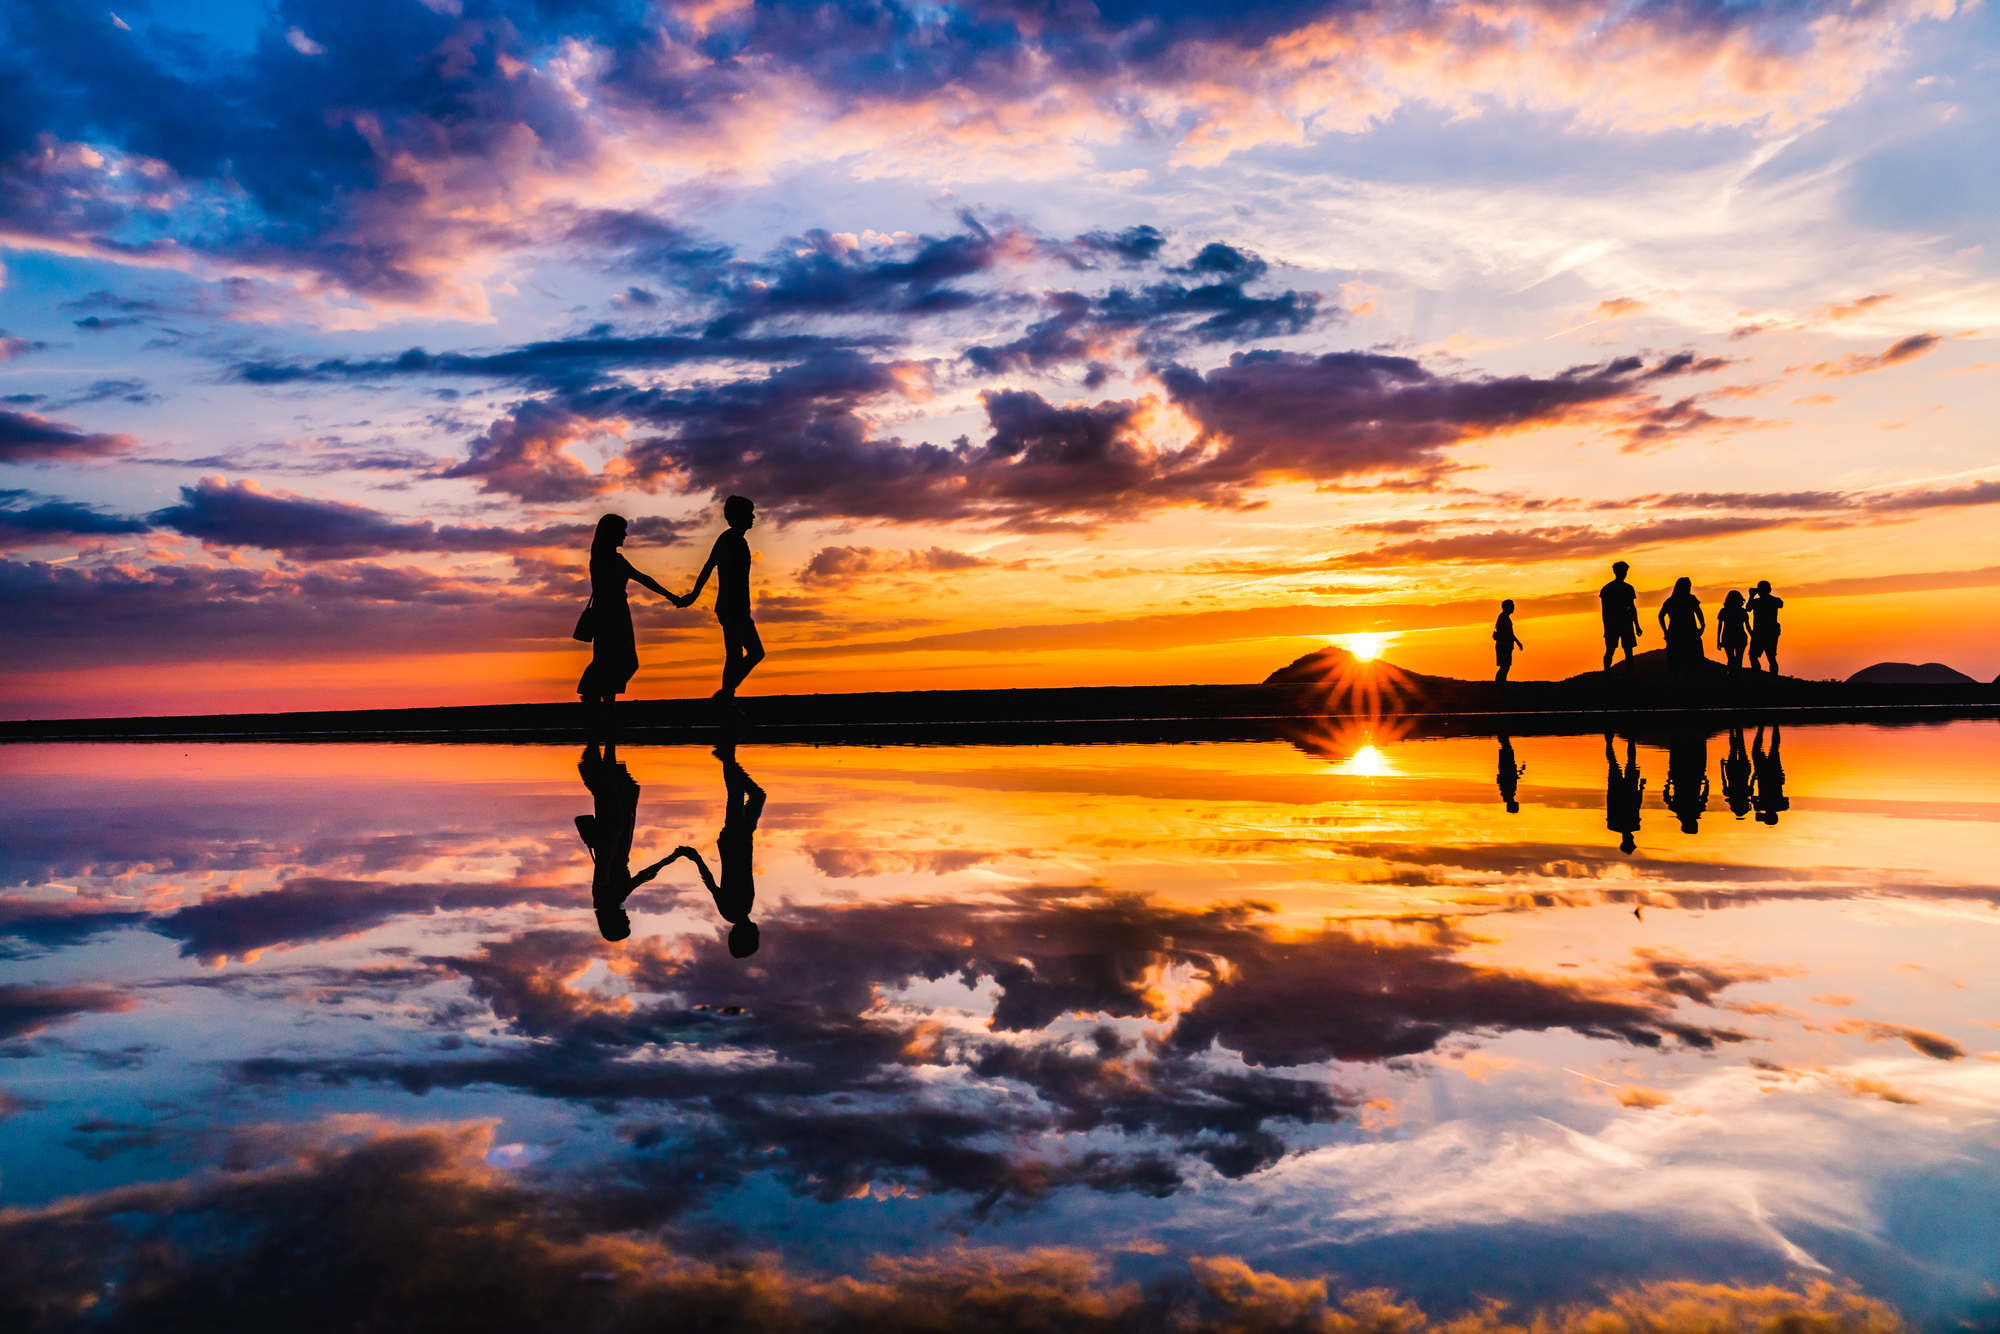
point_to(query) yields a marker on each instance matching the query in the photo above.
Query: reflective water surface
(1221, 1033)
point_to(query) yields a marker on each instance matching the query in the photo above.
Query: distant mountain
(1910, 674)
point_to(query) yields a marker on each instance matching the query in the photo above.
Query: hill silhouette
(1307, 696)
(1911, 674)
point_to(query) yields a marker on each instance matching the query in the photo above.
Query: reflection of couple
(615, 648)
(608, 835)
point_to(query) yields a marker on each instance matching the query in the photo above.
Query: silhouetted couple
(1686, 792)
(1681, 621)
(615, 648)
(608, 834)
(1750, 623)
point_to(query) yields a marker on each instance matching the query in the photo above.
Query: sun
(1366, 647)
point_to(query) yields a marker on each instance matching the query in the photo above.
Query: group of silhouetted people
(1740, 624)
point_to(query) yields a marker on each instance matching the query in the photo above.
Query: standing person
(1504, 642)
(1682, 622)
(1770, 798)
(1509, 776)
(1732, 629)
(729, 561)
(1686, 792)
(736, 895)
(1736, 775)
(614, 649)
(1624, 794)
(1764, 627)
(607, 833)
(1621, 616)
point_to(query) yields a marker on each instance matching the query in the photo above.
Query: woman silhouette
(1683, 622)
(1732, 628)
(614, 654)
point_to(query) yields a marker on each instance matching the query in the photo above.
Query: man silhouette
(1769, 766)
(736, 895)
(729, 561)
(1621, 616)
(1764, 627)
(1509, 776)
(1624, 793)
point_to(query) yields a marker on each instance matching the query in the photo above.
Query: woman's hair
(609, 529)
(1735, 598)
(1683, 587)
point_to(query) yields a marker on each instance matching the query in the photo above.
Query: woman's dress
(1684, 630)
(1735, 632)
(614, 649)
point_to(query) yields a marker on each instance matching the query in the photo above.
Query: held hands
(680, 601)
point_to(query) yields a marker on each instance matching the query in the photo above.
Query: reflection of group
(607, 833)
(1753, 778)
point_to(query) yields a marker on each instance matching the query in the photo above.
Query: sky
(1056, 344)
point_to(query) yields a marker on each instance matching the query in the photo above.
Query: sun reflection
(1367, 762)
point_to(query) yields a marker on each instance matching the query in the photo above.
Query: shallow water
(1329, 1009)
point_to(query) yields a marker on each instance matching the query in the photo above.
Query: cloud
(242, 513)
(26, 525)
(380, 1217)
(11, 348)
(25, 437)
(1556, 542)
(26, 1010)
(1275, 1000)
(840, 565)
(314, 908)
(65, 615)
(1158, 319)
(1858, 363)
(393, 158)
(1934, 1045)
(526, 455)
(1294, 415)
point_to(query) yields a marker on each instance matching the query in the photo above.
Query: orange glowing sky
(1062, 357)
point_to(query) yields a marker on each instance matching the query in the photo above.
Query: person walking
(1764, 627)
(729, 561)
(1621, 615)
(1504, 642)
(614, 649)
(1682, 622)
(1732, 629)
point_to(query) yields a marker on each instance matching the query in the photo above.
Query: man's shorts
(1764, 644)
(1629, 636)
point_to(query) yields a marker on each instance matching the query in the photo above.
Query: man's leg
(742, 650)
(1610, 647)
